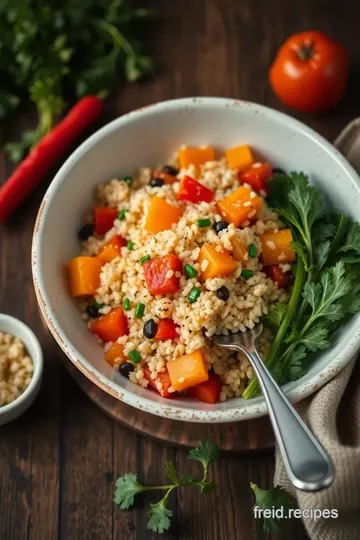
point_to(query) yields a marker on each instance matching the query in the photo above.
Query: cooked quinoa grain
(16, 368)
(197, 315)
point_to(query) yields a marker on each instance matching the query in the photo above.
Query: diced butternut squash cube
(188, 370)
(84, 275)
(115, 355)
(112, 248)
(240, 206)
(240, 249)
(111, 326)
(161, 215)
(218, 263)
(276, 247)
(239, 157)
(191, 155)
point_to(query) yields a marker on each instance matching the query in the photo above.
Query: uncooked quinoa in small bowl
(180, 252)
(16, 368)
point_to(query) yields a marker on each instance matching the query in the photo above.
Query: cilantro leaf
(171, 471)
(159, 517)
(271, 499)
(127, 487)
(208, 487)
(205, 453)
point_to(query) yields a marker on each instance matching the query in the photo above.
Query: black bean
(223, 293)
(169, 169)
(278, 171)
(220, 226)
(126, 368)
(156, 182)
(85, 231)
(150, 329)
(92, 311)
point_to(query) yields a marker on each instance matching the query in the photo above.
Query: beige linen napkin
(333, 414)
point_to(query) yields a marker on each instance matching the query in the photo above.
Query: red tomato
(111, 326)
(104, 219)
(208, 391)
(163, 377)
(116, 241)
(166, 330)
(275, 273)
(191, 190)
(257, 176)
(155, 274)
(310, 72)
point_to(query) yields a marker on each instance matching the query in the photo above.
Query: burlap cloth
(333, 414)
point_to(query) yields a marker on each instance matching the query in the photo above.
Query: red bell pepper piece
(163, 377)
(208, 391)
(111, 326)
(257, 177)
(155, 274)
(191, 190)
(116, 241)
(166, 330)
(104, 219)
(275, 273)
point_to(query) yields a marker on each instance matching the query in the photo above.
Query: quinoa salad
(175, 254)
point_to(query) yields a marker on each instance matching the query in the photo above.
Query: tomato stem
(306, 51)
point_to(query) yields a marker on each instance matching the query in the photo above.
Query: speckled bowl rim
(306, 386)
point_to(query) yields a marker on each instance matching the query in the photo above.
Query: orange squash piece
(116, 351)
(239, 248)
(239, 157)
(111, 326)
(239, 206)
(161, 215)
(276, 247)
(188, 370)
(84, 275)
(219, 263)
(112, 248)
(192, 155)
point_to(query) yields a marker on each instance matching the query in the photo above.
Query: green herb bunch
(127, 486)
(55, 52)
(326, 289)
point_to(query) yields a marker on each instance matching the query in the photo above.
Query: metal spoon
(308, 466)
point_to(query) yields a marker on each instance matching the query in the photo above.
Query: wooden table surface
(59, 461)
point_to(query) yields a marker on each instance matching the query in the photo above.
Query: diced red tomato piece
(104, 219)
(257, 176)
(116, 241)
(155, 274)
(191, 190)
(208, 391)
(166, 330)
(163, 377)
(111, 326)
(275, 273)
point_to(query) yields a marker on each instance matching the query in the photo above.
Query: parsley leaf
(127, 487)
(205, 453)
(276, 314)
(159, 517)
(171, 471)
(270, 499)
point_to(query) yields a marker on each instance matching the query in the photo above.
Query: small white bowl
(17, 328)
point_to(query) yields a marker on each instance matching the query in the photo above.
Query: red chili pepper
(104, 219)
(155, 274)
(208, 391)
(34, 167)
(275, 273)
(166, 330)
(191, 190)
(257, 177)
(163, 377)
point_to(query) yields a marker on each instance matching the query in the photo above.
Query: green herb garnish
(252, 251)
(190, 271)
(127, 487)
(135, 356)
(270, 500)
(145, 259)
(128, 180)
(139, 311)
(122, 214)
(246, 274)
(130, 245)
(126, 304)
(194, 294)
(205, 222)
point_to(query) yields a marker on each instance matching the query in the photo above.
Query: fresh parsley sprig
(127, 486)
(271, 499)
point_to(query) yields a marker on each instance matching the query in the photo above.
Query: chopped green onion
(128, 180)
(134, 356)
(247, 274)
(194, 294)
(252, 250)
(130, 245)
(145, 259)
(206, 222)
(121, 214)
(190, 271)
(139, 311)
(126, 304)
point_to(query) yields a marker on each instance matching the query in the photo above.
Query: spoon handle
(308, 466)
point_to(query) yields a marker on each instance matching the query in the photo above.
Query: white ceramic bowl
(148, 136)
(17, 328)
